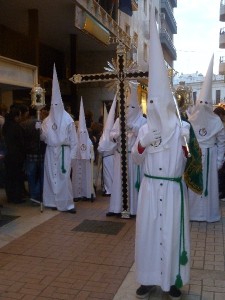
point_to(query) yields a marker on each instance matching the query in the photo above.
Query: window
(194, 97)
(217, 96)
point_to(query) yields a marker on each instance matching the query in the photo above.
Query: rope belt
(183, 259)
(207, 174)
(63, 163)
(119, 151)
(138, 182)
(107, 155)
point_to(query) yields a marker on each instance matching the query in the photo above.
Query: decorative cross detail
(120, 73)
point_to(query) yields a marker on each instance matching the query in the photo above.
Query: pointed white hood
(105, 145)
(105, 115)
(133, 108)
(84, 142)
(58, 119)
(161, 110)
(204, 121)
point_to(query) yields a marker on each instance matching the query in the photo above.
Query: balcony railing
(222, 10)
(167, 41)
(104, 19)
(222, 65)
(222, 38)
(173, 3)
(167, 9)
(134, 5)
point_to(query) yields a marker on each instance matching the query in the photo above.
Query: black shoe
(106, 195)
(133, 216)
(110, 214)
(174, 293)
(72, 211)
(144, 291)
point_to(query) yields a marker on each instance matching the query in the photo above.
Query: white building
(195, 81)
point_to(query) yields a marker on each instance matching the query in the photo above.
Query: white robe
(134, 171)
(207, 208)
(158, 215)
(82, 175)
(57, 190)
(107, 171)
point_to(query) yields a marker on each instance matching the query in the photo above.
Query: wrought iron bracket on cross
(121, 73)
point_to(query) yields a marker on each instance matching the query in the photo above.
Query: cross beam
(120, 73)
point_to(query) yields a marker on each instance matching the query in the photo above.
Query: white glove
(113, 136)
(135, 130)
(38, 125)
(150, 137)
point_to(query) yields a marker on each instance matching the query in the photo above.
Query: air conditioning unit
(90, 26)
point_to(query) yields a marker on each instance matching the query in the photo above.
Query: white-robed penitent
(58, 132)
(162, 224)
(209, 131)
(135, 120)
(82, 165)
(106, 150)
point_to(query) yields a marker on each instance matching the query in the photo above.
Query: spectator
(35, 150)
(3, 111)
(15, 155)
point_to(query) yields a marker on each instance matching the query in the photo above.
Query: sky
(197, 37)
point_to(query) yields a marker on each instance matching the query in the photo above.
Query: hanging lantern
(38, 97)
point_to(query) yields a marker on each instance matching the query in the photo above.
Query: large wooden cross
(121, 73)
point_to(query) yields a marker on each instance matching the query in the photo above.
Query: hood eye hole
(206, 102)
(151, 101)
(200, 101)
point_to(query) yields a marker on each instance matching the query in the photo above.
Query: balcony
(222, 11)
(173, 3)
(222, 65)
(102, 19)
(222, 38)
(169, 17)
(167, 42)
(134, 4)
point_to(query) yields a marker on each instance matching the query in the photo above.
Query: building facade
(80, 37)
(194, 83)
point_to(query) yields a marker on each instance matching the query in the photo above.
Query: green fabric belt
(183, 259)
(207, 174)
(138, 181)
(63, 163)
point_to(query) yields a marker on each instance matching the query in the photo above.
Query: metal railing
(100, 15)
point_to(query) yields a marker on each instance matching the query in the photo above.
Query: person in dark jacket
(34, 162)
(15, 155)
